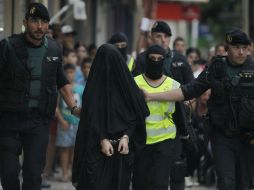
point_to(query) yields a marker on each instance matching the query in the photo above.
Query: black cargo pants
(28, 132)
(178, 167)
(152, 166)
(234, 161)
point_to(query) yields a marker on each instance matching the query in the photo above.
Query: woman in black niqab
(113, 108)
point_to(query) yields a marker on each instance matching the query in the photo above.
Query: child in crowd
(70, 57)
(81, 51)
(85, 68)
(92, 49)
(68, 124)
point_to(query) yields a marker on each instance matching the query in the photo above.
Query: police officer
(175, 64)
(231, 110)
(120, 40)
(176, 67)
(30, 73)
(152, 166)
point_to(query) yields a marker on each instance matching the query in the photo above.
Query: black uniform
(23, 126)
(176, 67)
(230, 108)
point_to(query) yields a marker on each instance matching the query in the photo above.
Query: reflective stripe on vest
(130, 63)
(155, 118)
(156, 132)
(159, 124)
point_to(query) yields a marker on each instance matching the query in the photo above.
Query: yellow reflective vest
(130, 63)
(159, 124)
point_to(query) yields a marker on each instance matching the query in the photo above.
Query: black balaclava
(117, 38)
(154, 69)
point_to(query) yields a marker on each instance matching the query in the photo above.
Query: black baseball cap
(37, 10)
(237, 36)
(161, 26)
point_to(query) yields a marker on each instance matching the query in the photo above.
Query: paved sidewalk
(68, 186)
(55, 185)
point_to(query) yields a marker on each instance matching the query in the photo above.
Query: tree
(220, 16)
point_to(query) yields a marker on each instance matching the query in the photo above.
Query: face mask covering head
(117, 38)
(154, 69)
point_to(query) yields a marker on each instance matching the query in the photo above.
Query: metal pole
(251, 19)
(63, 10)
(94, 19)
(194, 32)
(245, 15)
(12, 16)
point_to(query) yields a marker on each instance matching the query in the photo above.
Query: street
(68, 186)
(55, 185)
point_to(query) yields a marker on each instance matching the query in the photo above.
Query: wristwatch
(73, 109)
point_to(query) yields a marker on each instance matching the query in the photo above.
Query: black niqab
(112, 105)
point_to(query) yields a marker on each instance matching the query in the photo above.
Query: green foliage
(221, 15)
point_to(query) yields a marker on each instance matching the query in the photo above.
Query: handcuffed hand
(106, 147)
(123, 147)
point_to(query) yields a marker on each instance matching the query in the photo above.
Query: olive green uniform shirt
(36, 56)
